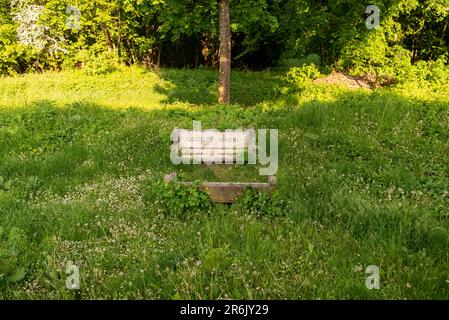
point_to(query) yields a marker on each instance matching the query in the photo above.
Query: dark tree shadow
(324, 147)
(201, 86)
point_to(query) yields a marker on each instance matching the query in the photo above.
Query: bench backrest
(210, 146)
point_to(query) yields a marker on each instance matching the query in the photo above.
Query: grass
(363, 180)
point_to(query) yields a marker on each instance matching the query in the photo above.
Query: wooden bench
(215, 147)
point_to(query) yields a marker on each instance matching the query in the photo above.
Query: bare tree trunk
(224, 88)
(414, 51)
(159, 53)
(109, 43)
(119, 40)
(134, 59)
(197, 56)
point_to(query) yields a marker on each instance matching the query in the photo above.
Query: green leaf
(19, 275)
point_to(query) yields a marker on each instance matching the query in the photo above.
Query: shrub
(93, 61)
(384, 64)
(179, 199)
(374, 58)
(430, 72)
(259, 203)
(16, 59)
(304, 74)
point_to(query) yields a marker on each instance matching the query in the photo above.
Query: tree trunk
(159, 53)
(119, 40)
(224, 88)
(197, 56)
(132, 52)
(110, 45)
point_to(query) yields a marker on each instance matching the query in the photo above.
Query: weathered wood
(170, 177)
(272, 180)
(227, 192)
(224, 86)
(205, 138)
(210, 146)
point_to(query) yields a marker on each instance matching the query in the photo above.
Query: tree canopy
(185, 33)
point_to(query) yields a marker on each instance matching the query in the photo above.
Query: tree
(224, 87)
(34, 34)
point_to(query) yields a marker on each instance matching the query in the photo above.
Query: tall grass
(363, 179)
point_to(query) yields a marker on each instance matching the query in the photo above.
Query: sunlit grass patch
(362, 180)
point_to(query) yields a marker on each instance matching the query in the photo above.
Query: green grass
(363, 180)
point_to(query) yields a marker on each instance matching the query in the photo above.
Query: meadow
(363, 180)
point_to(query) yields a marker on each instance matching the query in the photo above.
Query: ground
(362, 180)
(342, 79)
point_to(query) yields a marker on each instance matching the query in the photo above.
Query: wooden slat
(204, 139)
(227, 192)
(211, 147)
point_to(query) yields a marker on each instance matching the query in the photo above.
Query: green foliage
(435, 72)
(181, 33)
(304, 74)
(94, 61)
(179, 200)
(258, 203)
(21, 188)
(362, 180)
(409, 31)
(13, 247)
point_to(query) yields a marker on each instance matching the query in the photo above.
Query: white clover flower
(358, 268)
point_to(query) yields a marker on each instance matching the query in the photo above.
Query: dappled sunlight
(224, 150)
(129, 87)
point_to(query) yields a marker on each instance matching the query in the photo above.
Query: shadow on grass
(201, 86)
(356, 161)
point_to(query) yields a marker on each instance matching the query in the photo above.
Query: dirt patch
(343, 80)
